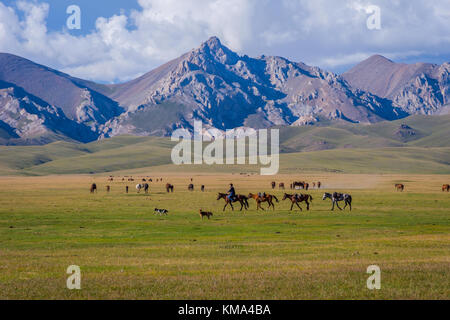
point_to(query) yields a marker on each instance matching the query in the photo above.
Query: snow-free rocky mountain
(215, 85)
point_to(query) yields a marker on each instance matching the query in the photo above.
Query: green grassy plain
(125, 252)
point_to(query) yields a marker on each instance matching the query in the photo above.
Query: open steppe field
(126, 252)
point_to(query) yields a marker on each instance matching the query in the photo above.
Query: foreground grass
(124, 251)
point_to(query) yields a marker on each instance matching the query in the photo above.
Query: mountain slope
(420, 88)
(75, 97)
(26, 119)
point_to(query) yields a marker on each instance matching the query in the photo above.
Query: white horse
(140, 186)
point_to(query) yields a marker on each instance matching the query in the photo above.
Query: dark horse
(93, 188)
(297, 198)
(337, 197)
(169, 187)
(263, 198)
(243, 200)
(191, 187)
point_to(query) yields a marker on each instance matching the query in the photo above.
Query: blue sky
(120, 40)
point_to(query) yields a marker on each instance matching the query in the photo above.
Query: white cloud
(327, 33)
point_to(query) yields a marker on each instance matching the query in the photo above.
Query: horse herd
(261, 197)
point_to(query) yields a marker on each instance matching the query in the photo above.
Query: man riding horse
(231, 193)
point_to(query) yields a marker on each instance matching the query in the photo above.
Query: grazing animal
(191, 187)
(203, 188)
(205, 214)
(139, 187)
(337, 197)
(243, 200)
(274, 184)
(297, 198)
(146, 186)
(400, 187)
(161, 211)
(313, 185)
(263, 198)
(446, 187)
(108, 188)
(110, 179)
(93, 188)
(319, 184)
(126, 189)
(281, 186)
(298, 185)
(143, 180)
(169, 187)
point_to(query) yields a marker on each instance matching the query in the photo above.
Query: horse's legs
(231, 204)
(337, 203)
(226, 203)
(332, 207)
(299, 206)
(292, 205)
(307, 204)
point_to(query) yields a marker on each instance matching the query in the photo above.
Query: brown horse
(400, 187)
(273, 184)
(203, 188)
(243, 200)
(191, 187)
(108, 188)
(281, 185)
(319, 184)
(93, 188)
(297, 198)
(265, 198)
(169, 188)
(446, 187)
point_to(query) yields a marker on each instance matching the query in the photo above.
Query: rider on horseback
(231, 193)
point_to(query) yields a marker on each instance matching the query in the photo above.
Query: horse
(169, 187)
(93, 188)
(281, 185)
(146, 186)
(126, 189)
(264, 198)
(337, 197)
(296, 198)
(446, 187)
(139, 187)
(273, 184)
(191, 187)
(400, 187)
(108, 188)
(243, 200)
(319, 184)
(203, 188)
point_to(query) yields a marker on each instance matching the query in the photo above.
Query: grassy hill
(417, 144)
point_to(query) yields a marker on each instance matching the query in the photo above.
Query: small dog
(204, 213)
(161, 211)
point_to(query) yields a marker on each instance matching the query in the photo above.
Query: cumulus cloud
(327, 33)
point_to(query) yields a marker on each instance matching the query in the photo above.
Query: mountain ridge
(222, 89)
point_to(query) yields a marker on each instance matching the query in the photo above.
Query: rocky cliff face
(420, 88)
(217, 86)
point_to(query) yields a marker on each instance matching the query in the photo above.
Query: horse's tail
(275, 198)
